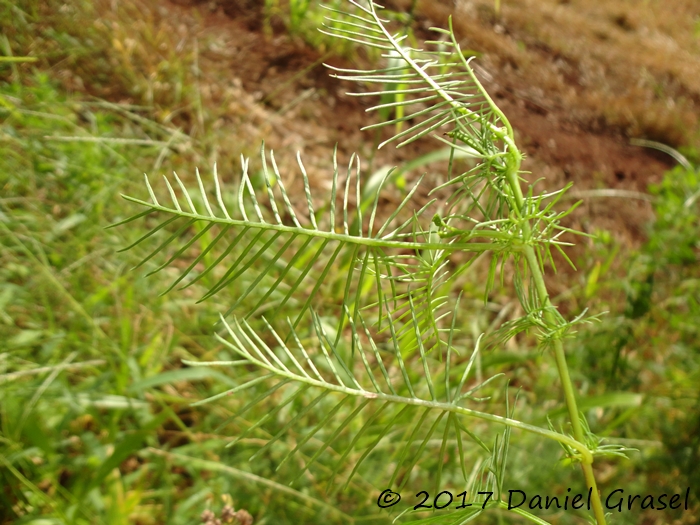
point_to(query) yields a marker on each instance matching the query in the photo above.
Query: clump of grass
(131, 53)
(646, 346)
(90, 366)
(94, 360)
(302, 18)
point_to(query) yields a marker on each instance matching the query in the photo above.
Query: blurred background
(95, 418)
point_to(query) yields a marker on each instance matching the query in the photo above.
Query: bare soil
(312, 113)
(577, 79)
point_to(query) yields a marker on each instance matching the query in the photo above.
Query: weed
(85, 352)
(385, 363)
(648, 347)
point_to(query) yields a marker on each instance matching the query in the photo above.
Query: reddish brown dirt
(313, 114)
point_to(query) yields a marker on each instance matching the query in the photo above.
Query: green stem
(373, 242)
(559, 354)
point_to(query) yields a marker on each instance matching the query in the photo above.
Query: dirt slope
(577, 78)
(563, 142)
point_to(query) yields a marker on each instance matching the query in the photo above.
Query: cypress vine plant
(392, 367)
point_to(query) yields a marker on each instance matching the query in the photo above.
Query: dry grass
(634, 66)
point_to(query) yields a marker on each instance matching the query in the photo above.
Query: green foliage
(45, 264)
(302, 19)
(676, 231)
(387, 360)
(648, 347)
(82, 401)
(95, 417)
(674, 313)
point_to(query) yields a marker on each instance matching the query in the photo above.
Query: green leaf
(181, 374)
(607, 400)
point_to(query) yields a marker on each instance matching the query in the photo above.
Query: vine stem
(559, 354)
